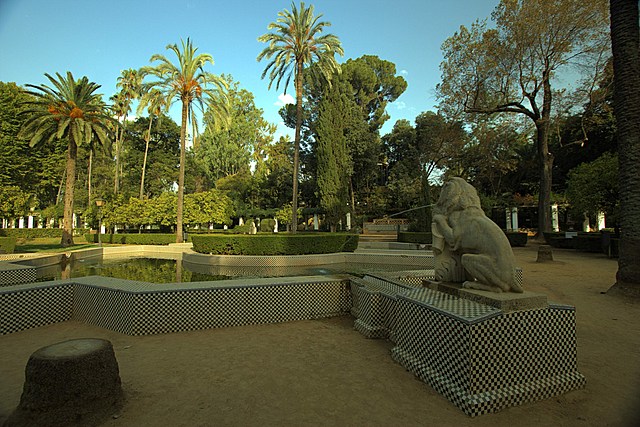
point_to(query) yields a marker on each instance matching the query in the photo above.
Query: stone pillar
(316, 224)
(103, 229)
(514, 219)
(555, 224)
(21, 222)
(348, 221)
(275, 227)
(601, 221)
(507, 213)
(4, 223)
(30, 221)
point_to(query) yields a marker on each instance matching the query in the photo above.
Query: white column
(4, 223)
(30, 221)
(316, 225)
(507, 214)
(514, 219)
(241, 221)
(555, 224)
(103, 230)
(275, 227)
(601, 220)
(210, 226)
(348, 221)
(21, 222)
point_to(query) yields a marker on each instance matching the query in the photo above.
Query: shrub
(241, 229)
(133, 239)
(7, 245)
(267, 224)
(275, 244)
(415, 237)
(516, 238)
(31, 233)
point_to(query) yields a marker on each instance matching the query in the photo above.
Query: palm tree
(70, 109)
(297, 42)
(154, 101)
(625, 41)
(188, 82)
(129, 83)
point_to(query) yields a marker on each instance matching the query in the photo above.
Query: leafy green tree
(154, 101)
(208, 207)
(70, 109)
(36, 171)
(296, 42)
(625, 40)
(229, 150)
(162, 153)
(511, 68)
(416, 154)
(593, 187)
(332, 156)
(14, 202)
(187, 81)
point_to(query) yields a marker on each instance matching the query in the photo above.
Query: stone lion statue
(468, 246)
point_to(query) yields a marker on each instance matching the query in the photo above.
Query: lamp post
(99, 204)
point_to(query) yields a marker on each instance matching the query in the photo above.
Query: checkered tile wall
(478, 357)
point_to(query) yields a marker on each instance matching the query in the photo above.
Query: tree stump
(72, 383)
(545, 253)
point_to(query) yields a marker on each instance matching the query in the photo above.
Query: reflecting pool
(157, 270)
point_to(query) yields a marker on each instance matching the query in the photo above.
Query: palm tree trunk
(296, 147)
(625, 43)
(183, 137)
(67, 227)
(144, 161)
(89, 176)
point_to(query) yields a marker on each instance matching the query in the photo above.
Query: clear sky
(99, 38)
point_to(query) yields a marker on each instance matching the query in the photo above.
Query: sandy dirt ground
(323, 372)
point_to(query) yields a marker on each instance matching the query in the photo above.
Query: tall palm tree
(129, 83)
(188, 82)
(297, 42)
(68, 109)
(625, 44)
(154, 101)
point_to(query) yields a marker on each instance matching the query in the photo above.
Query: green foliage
(334, 163)
(32, 233)
(208, 207)
(14, 202)
(227, 150)
(267, 225)
(133, 239)
(593, 187)
(414, 237)
(275, 244)
(7, 245)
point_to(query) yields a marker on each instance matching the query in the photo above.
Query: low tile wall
(138, 308)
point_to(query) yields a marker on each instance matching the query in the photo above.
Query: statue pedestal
(482, 358)
(507, 302)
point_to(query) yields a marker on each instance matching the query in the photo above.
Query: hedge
(133, 239)
(275, 244)
(422, 237)
(31, 233)
(7, 245)
(516, 239)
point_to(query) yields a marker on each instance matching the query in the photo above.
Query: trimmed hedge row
(515, 238)
(31, 233)
(275, 244)
(133, 239)
(7, 245)
(422, 237)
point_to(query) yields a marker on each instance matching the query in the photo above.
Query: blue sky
(99, 38)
